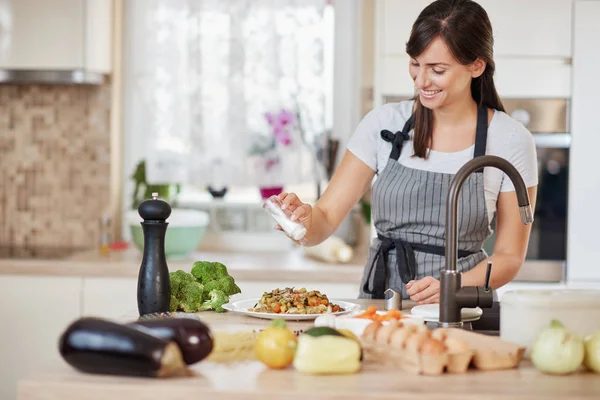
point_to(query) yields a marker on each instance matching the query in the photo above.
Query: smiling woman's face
(439, 79)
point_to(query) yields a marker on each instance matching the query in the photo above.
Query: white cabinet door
(109, 297)
(35, 311)
(42, 34)
(56, 34)
(531, 28)
(530, 52)
(98, 35)
(394, 20)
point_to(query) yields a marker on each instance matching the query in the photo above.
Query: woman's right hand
(300, 211)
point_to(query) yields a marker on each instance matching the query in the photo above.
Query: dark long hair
(465, 27)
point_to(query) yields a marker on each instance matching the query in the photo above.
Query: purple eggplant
(193, 337)
(99, 346)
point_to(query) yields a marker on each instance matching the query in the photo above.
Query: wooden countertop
(252, 380)
(275, 266)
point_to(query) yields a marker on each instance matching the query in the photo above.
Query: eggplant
(99, 346)
(193, 337)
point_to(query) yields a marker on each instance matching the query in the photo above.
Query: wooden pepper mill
(154, 286)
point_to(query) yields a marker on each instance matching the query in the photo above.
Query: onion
(557, 351)
(592, 352)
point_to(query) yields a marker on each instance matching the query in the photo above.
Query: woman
(415, 147)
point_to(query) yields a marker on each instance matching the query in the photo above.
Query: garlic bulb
(327, 319)
(557, 351)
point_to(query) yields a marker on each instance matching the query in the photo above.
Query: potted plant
(143, 191)
(186, 227)
(269, 148)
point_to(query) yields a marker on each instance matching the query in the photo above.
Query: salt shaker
(294, 229)
(394, 302)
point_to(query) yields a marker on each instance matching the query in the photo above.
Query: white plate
(431, 313)
(242, 307)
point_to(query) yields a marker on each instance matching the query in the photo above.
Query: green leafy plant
(143, 190)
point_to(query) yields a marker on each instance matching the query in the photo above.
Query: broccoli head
(191, 296)
(179, 279)
(220, 269)
(215, 302)
(174, 303)
(186, 292)
(226, 284)
(204, 271)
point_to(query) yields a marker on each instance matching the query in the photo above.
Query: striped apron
(409, 214)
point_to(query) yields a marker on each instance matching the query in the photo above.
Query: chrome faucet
(454, 296)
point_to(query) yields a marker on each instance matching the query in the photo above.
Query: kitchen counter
(252, 380)
(265, 266)
(279, 266)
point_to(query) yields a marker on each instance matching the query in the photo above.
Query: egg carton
(418, 350)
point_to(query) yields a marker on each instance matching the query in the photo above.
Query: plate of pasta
(291, 304)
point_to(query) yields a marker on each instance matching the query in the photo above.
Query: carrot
(368, 313)
(277, 308)
(390, 315)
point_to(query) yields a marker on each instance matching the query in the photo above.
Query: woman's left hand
(424, 291)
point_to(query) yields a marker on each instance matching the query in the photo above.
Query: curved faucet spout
(453, 296)
(454, 191)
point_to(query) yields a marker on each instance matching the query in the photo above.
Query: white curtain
(231, 92)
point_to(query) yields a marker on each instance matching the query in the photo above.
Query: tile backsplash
(54, 164)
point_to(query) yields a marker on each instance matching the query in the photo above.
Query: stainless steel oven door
(547, 250)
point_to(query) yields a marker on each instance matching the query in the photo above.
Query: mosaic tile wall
(54, 164)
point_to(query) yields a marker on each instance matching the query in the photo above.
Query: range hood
(55, 77)
(55, 42)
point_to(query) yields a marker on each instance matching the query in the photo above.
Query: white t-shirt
(507, 138)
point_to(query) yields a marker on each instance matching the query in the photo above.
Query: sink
(488, 324)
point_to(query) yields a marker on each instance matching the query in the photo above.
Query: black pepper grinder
(154, 286)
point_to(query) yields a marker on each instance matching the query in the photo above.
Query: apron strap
(481, 133)
(379, 270)
(397, 139)
(406, 263)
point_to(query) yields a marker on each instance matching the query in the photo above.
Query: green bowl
(179, 240)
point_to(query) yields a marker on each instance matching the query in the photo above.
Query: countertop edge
(284, 266)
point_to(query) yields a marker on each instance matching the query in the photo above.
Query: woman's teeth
(429, 94)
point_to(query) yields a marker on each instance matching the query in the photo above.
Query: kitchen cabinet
(532, 54)
(108, 297)
(35, 311)
(56, 35)
(529, 29)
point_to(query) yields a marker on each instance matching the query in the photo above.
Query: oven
(548, 121)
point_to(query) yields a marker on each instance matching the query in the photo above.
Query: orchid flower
(279, 124)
